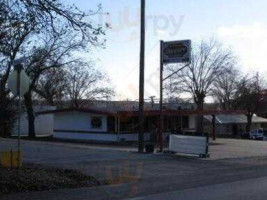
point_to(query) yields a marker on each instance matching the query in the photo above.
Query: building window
(96, 122)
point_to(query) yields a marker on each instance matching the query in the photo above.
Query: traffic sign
(13, 82)
(176, 51)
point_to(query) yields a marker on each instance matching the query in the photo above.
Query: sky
(237, 24)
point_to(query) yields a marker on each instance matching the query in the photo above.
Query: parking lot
(218, 150)
(230, 148)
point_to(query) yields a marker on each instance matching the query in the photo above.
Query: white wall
(87, 136)
(43, 125)
(105, 137)
(69, 124)
(77, 121)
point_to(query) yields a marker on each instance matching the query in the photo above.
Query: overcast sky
(239, 24)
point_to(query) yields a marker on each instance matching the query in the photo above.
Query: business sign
(176, 51)
(195, 145)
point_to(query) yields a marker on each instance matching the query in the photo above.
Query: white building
(44, 124)
(113, 123)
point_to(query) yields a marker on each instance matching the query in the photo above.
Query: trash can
(149, 148)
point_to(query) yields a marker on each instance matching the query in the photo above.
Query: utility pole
(141, 80)
(161, 99)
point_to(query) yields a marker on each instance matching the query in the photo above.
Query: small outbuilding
(232, 125)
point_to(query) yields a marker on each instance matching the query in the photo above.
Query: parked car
(258, 134)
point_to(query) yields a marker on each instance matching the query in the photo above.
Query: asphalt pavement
(145, 176)
(240, 190)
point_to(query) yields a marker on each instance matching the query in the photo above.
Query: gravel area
(39, 178)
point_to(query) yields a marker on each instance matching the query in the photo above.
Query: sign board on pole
(24, 82)
(176, 51)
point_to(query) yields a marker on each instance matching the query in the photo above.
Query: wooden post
(158, 130)
(118, 128)
(213, 127)
(141, 80)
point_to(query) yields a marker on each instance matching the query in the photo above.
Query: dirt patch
(39, 178)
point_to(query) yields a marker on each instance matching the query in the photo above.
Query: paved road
(137, 175)
(241, 190)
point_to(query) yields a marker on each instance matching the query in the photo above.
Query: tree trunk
(199, 124)
(30, 113)
(199, 101)
(249, 122)
(5, 118)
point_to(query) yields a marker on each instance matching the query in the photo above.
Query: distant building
(233, 125)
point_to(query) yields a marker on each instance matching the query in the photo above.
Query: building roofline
(85, 110)
(135, 113)
(181, 112)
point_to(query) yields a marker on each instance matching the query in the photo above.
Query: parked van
(258, 134)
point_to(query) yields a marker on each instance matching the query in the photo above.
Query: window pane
(96, 122)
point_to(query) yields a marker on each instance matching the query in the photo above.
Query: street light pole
(141, 80)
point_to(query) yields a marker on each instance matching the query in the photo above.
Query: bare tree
(224, 88)
(52, 86)
(55, 51)
(22, 22)
(251, 96)
(84, 82)
(209, 61)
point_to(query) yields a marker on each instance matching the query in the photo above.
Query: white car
(258, 134)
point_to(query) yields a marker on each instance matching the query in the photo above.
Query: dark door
(235, 130)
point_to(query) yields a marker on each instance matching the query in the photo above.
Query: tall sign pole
(19, 68)
(141, 80)
(171, 52)
(18, 83)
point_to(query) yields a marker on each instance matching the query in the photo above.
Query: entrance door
(235, 130)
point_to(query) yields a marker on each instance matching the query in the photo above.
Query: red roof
(147, 112)
(85, 110)
(181, 112)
